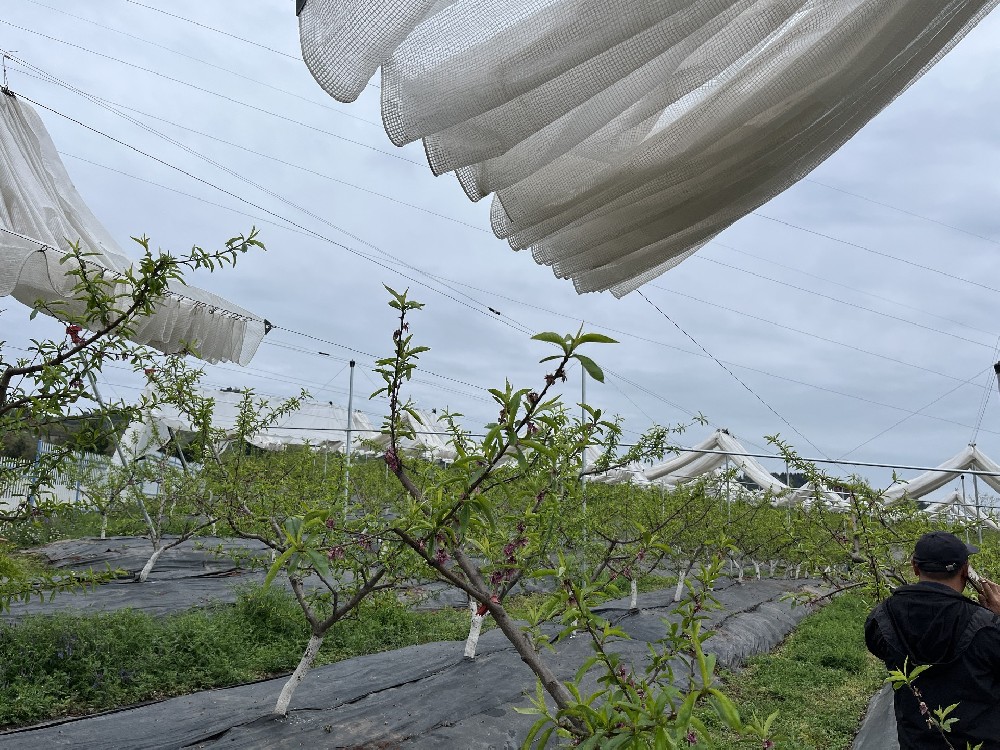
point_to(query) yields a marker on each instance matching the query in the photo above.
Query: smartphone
(975, 581)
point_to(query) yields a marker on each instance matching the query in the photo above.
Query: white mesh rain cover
(38, 201)
(619, 136)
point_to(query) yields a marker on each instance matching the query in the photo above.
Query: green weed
(819, 680)
(61, 665)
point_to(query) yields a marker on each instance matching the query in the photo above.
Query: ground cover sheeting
(418, 697)
(878, 730)
(190, 575)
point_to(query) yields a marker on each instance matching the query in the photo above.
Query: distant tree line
(794, 479)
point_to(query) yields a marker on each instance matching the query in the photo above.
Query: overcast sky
(800, 301)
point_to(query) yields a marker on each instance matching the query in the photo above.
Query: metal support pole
(79, 477)
(979, 515)
(121, 454)
(34, 465)
(964, 501)
(788, 484)
(583, 421)
(347, 447)
(107, 417)
(177, 445)
(729, 499)
(583, 409)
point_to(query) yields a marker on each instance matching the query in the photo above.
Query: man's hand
(989, 597)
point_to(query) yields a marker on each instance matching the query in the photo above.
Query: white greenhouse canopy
(708, 456)
(807, 494)
(41, 212)
(319, 425)
(714, 452)
(619, 137)
(954, 507)
(431, 436)
(969, 458)
(632, 474)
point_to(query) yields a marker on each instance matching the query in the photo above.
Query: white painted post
(347, 446)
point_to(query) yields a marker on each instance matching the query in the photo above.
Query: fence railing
(75, 473)
(15, 477)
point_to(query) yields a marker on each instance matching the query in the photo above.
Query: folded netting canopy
(617, 136)
(322, 426)
(41, 212)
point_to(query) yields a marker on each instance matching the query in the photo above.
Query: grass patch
(60, 665)
(819, 680)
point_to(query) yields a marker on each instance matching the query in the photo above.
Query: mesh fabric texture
(39, 202)
(618, 137)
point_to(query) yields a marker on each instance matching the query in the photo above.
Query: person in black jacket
(931, 622)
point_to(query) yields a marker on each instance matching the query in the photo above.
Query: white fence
(75, 473)
(15, 479)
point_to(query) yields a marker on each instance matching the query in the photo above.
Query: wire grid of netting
(41, 212)
(619, 137)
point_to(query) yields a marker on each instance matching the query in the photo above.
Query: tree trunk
(473, 640)
(634, 601)
(680, 585)
(149, 564)
(308, 657)
(104, 525)
(772, 566)
(756, 567)
(526, 650)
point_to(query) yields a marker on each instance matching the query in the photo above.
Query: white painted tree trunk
(772, 566)
(149, 564)
(680, 585)
(756, 568)
(634, 601)
(739, 570)
(472, 641)
(308, 657)
(104, 525)
(797, 569)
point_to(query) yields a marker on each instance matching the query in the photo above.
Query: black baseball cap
(941, 552)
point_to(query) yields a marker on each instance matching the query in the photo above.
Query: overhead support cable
(237, 74)
(806, 333)
(838, 300)
(828, 281)
(257, 206)
(880, 253)
(902, 210)
(394, 155)
(917, 413)
(986, 398)
(731, 373)
(682, 350)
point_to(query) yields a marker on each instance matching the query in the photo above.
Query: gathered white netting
(969, 458)
(618, 137)
(41, 212)
(322, 426)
